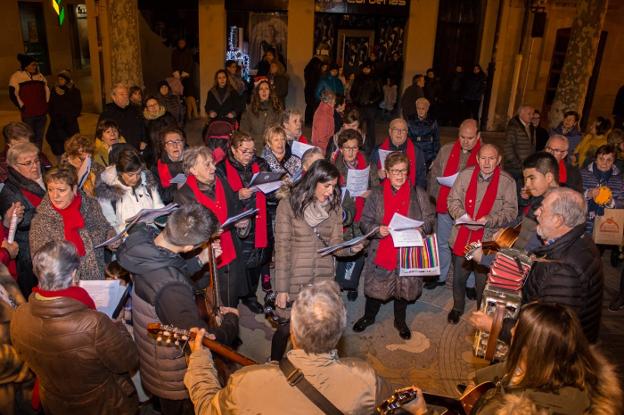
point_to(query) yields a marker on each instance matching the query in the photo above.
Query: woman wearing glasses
(382, 281)
(171, 143)
(79, 153)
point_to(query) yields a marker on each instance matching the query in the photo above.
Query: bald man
(486, 195)
(452, 158)
(519, 141)
(569, 175)
(127, 117)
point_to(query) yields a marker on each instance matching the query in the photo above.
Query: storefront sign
(395, 7)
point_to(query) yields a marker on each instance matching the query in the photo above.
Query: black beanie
(25, 60)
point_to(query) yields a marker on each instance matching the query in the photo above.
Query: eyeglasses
(247, 152)
(174, 143)
(397, 172)
(556, 150)
(30, 163)
(345, 148)
(400, 130)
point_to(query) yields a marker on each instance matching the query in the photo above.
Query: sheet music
(346, 244)
(179, 179)
(357, 181)
(382, 157)
(105, 293)
(233, 219)
(447, 181)
(404, 231)
(466, 220)
(298, 149)
(267, 188)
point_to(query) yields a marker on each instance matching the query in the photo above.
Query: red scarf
(72, 223)
(411, 155)
(220, 210)
(465, 235)
(452, 167)
(164, 173)
(359, 201)
(34, 199)
(236, 184)
(563, 172)
(393, 203)
(75, 292)
(303, 140)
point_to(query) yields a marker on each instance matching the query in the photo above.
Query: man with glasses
(569, 175)
(397, 141)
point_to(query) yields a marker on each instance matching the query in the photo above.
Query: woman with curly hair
(263, 110)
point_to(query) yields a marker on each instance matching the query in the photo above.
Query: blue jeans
(443, 232)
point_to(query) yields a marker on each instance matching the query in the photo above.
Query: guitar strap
(295, 377)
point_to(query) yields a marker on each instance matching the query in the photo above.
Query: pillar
(94, 54)
(420, 39)
(579, 59)
(300, 48)
(212, 43)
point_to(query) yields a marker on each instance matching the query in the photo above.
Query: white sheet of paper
(180, 179)
(447, 181)
(357, 181)
(404, 231)
(267, 188)
(382, 157)
(298, 148)
(105, 293)
(465, 220)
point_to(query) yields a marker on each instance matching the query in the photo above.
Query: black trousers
(253, 280)
(279, 342)
(367, 115)
(176, 407)
(372, 306)
(463, 269)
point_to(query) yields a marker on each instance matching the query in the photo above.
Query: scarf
(149, 116)
(360, 164)
(236, 184)
(34, 199)
(303, 139)
(164, 173)
(74, 292)
(411, 155)
(398, 202)
(72, 223)
(465, 235)
(315, 213)
(452, 167)
(563, 172)
(289, 164)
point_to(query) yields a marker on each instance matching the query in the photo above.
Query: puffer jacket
(350, 384)
(519, 144)
(47, 225)
(379, 282)
(297, 263)
(255, 123)
(571, 276)
(163, 293)
(592, 179)
(82, 358)
(120, 202)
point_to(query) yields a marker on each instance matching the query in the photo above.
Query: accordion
(502, 299)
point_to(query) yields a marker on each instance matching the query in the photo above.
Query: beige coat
(505, 208)
(350, 384)
(297, 263)
(438, 166)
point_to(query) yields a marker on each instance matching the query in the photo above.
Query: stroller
(216, 136)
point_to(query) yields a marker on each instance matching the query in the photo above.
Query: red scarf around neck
(411, 155)
(72, 223)
(452, 167)
(303, 139)
(563, 172)
(34, 199)
(164, 173)
(236, 184)
(74, 292)
(393, 203)
(359, 201)
(220, 209)
(465, 235)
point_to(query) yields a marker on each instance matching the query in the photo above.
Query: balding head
(562, 209)
(558, 146)
(468, 134)
(488, 158)
(398, 131)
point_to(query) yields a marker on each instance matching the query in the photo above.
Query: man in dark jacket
(127, 117)
(411, 94)
(164, 293)
(519, 142)
(64, 109)
(366, 93)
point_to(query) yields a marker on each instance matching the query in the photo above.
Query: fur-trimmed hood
(109, 187)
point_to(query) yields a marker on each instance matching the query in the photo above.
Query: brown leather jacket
(81, 357)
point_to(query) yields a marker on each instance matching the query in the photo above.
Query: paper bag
(609, 228)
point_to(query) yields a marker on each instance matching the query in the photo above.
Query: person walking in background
(474, 88)
(366, 93)
(28, 90)
(323, 124)
(64, 108)
(411, 94)
(331, 82)
(390, 97)
(182, 65)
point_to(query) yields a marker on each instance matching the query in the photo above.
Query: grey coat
(380, 283)
(519, 144)
(47, 225)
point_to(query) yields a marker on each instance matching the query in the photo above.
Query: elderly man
(519, 141)
(83, 360)
(163, 293)
(397, 141)
(569, 175)
(318, 320)
(127, 117)
(451, 159)
(484, 197)
(24, 186)
(569, 271)
(424, 131)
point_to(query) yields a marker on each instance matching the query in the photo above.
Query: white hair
(54, 265)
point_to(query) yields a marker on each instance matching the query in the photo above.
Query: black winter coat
(366, 90)
(223, 102)
(175, 167)
(64, 111)
(130, 121)
(573, 278)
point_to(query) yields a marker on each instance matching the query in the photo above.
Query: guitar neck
(227, 352)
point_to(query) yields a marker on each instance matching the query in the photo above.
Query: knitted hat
(65, 74)
(25, 60)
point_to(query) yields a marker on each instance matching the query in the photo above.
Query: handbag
(348, 272)
(420, 261)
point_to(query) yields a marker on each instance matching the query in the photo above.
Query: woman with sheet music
(309, 218)
(382, 280)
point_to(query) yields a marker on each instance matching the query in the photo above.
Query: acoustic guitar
(464, 405)
(504, 238)
(173, 336)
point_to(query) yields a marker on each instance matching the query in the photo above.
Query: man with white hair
(519, 142)
(127, 117)
(318, 320)
(424, 131)
(569, 175)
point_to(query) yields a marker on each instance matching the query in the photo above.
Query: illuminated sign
(59, 8)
